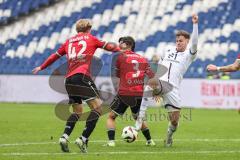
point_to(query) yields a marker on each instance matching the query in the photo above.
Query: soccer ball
(129, 134)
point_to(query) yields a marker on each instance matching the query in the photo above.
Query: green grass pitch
(31, 131)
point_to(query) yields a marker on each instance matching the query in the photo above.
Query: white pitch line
(103, 141)
(26, 144)
(121, 152)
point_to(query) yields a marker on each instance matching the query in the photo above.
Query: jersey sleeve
(55, 56)
(61, 50)
(194, 39)
(238, 57)
(110, 46)
(99, 43)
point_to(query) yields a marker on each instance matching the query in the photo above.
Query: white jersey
(177, 64)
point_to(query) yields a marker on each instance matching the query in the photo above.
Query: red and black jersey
(238, 56)
(79, 51)
(131, 69)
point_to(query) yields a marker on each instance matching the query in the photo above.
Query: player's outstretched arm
(52, 58)
(229, 68)
(194, 36)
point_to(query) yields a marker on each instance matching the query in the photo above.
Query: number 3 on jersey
(136, 69)
(72, 50)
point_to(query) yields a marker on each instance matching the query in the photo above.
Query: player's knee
(96, 105)
(77, 108)
(98, 109)
(98, 102)
(112, 116)
(174, 123)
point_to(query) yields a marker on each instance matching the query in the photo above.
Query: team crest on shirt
(172, 55)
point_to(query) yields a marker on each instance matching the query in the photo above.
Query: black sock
(71, 123)
(90, 123)
(146, 133)
(111, 134)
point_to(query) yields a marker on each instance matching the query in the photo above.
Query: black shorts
(121, 103)
(80, 87)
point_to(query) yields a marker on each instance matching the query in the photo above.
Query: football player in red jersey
(131, 69)
(79, 51)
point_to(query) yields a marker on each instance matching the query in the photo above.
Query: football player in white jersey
(177, 60)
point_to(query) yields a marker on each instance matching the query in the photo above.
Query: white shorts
(172, 100)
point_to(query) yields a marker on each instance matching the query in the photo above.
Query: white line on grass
(103, 141)
(121, 152)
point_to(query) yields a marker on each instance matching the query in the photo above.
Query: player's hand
(211, 68)
(194, 18)
(36, 70)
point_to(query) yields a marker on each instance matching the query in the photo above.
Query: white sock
(84, 139)
(141, 115)
(143, 107)
(65, 136)
(171, 129)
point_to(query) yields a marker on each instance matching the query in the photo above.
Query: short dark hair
(183, 33)
(129, 40)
